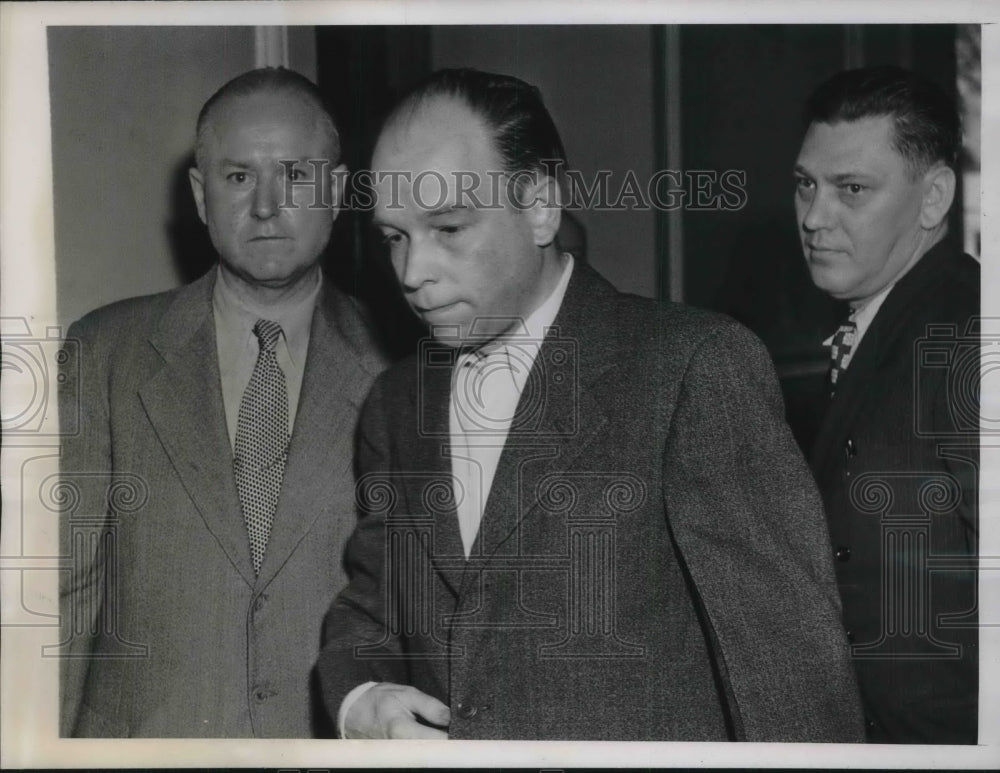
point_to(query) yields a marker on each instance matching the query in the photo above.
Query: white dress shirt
(485, 389)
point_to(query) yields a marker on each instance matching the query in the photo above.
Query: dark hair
(523, 131)
(267, 80)
(925, 119)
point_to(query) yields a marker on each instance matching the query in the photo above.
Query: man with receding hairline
(582, 513)
(897, 454)
(229, 405)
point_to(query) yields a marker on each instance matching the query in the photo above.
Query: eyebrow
(840, 177)
(448, 209)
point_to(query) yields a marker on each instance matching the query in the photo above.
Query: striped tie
(840, 351)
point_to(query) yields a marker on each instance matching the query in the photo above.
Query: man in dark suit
(211, 481)
(897, 455)
(583, 515)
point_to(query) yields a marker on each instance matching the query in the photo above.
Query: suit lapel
(558, 417)
(880, 340)
(429, 403)
(183, 401)
(334, 386)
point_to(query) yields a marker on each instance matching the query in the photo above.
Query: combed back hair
(267, 80)
(524, 134)
(926, 126)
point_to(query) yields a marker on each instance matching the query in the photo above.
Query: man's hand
(389, 710)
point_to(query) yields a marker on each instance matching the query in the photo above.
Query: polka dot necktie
(841, 350)
(262, 441)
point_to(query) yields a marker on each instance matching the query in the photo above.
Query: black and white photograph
(524, 386)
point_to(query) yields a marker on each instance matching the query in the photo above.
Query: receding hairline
(418, 107)
(322, 120)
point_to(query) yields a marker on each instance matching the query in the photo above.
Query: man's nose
(266, 196)
(418, 264)
(817, 213)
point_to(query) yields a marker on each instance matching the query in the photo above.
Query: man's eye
(295, 174)
(238, 177)
(854, 188)
(392, 239)
(449, 230)
(803, 182)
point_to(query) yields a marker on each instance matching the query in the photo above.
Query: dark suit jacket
(168, 631)
(896, 460)
(652, 562)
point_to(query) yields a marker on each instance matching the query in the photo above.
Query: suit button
(850, 636)
(259, 602)
(260, 695)
(467, 710)
(850, 448)
(843, 553)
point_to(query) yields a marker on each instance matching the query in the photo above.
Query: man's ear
(939, 193)
(198, 190)
(543, 208)
(338, 181)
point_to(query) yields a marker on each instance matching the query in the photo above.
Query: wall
(124, 101)
(597, 83)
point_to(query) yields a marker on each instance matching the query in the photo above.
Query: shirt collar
(863, 316)
(530, 332)
(236, 317)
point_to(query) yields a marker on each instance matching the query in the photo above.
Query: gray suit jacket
(166, 629)
(652, 563)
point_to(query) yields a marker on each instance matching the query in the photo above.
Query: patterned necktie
(262, 441)
(841, 350)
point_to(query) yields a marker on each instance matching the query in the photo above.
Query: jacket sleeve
(85, 478)
(749, 525)
(358, 645)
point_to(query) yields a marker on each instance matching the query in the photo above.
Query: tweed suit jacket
(896, 460)
(652, 561)
(167, 630)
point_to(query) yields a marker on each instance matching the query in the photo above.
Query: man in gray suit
(210, 487)
(583, 514)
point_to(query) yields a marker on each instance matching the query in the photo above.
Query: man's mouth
(432, 311)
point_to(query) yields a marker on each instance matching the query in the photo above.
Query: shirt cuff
(349, 700)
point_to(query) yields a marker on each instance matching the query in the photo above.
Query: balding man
(213, 469)
(584, 516)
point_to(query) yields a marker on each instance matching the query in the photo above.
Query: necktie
(841, 350)
(262, 441)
